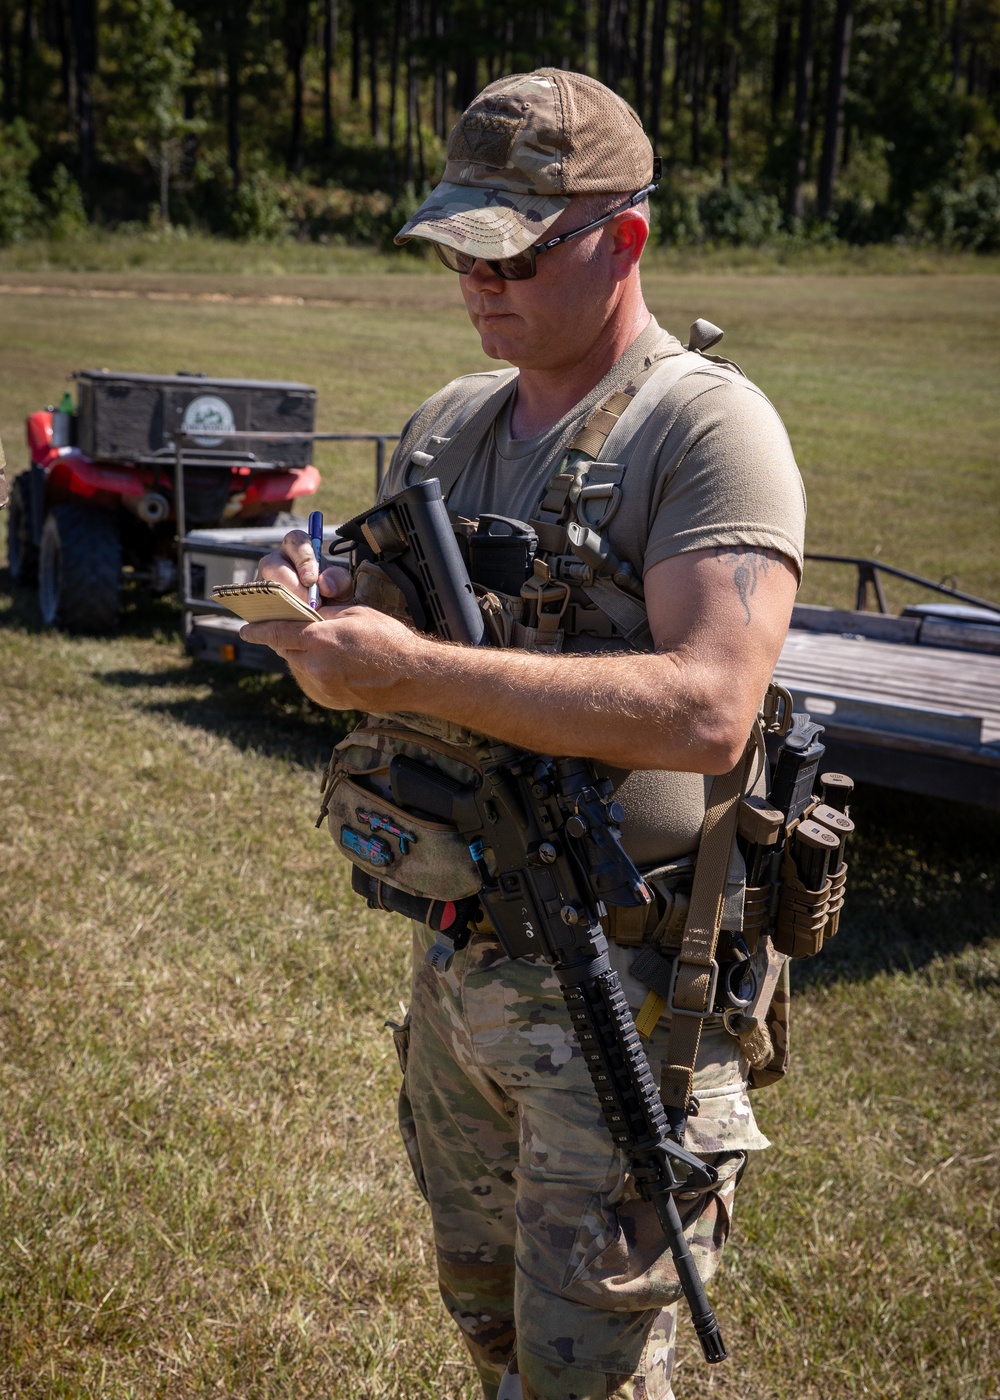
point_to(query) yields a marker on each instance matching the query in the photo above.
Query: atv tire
(22, 552)
(80, 570)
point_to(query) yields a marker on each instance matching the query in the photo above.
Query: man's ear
(630, 233)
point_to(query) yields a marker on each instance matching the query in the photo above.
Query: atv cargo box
(133, 417)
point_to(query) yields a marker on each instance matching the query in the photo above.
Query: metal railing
(209, 457)
(868, 577)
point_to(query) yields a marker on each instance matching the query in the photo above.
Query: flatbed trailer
(909, 702)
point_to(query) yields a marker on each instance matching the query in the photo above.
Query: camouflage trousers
(556, 1272)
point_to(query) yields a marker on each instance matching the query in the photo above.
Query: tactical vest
(577, 588)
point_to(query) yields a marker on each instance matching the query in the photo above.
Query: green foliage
(258, 211)
(673, 216)
(737, 215)
(65, 215)
(153, 46)
(19, 209)
(970, 217)
(191, 95)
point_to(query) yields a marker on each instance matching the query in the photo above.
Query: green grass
(178, 251)
(200, 1184)
(887, 383)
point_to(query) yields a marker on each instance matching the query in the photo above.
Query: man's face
(552, 320)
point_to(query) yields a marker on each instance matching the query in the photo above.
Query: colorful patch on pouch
(377, 821)
(370, 848)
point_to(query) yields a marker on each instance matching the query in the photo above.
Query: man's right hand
(295, 566)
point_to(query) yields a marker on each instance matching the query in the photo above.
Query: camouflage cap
(519, 151)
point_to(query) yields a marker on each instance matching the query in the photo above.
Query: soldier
(3, 479)
(553, 1268)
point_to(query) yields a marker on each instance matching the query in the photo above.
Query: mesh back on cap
(608, 151)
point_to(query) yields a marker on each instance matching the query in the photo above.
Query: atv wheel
(22, 552)
(80, 570)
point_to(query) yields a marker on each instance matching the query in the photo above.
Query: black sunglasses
(521, 266)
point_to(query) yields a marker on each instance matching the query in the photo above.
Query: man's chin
(500, 347)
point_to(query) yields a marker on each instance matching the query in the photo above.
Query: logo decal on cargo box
(209, 414)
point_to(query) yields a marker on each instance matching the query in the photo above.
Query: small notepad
(263, 601)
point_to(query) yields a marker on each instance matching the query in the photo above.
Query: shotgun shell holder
(758, 912)
(802, 914)
(838, 884)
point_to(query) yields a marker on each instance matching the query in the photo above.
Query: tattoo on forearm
(749, 566)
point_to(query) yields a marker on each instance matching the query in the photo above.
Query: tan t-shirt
(722, 474)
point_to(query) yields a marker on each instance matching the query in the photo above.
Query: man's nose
(483, 278)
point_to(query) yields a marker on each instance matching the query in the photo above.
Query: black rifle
(553, 833)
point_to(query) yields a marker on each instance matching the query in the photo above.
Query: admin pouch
(423, 857)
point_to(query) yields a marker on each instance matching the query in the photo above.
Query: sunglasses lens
(453, 259)
(515, 269)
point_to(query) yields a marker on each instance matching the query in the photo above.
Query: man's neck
(546, 395)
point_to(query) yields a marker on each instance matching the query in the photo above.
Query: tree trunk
(165, 182)
(681, 38)
(800, 120)
(728, 74)
(957, 42)
(411, 91)
(657, 62)
(840, 61)
(356, 52)
(397, 25)
(781, 67)
(374, 115)
(29, 42)
(440, 74)
(296, 34)
(235, 16)
(697, 77)
(83, 23)
(61, 34)
(329, 64)
(639, 81)
(7, 58)
(189, 145)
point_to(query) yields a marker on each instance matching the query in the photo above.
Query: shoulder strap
(609, 433)
(649, 401)
(448, 456)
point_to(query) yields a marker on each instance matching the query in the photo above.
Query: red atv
(96, 506)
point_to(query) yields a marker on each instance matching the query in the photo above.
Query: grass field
(200, 1184)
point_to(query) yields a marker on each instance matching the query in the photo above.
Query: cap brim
(485, 223)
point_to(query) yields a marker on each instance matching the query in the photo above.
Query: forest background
(779, 121)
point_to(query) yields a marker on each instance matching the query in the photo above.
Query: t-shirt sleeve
(726, 476)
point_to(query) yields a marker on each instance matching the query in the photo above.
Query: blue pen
(316, 540)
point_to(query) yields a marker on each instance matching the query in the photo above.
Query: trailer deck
(908, 702)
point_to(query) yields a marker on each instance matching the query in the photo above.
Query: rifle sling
(692, 986)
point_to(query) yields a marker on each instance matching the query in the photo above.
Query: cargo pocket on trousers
(404, 1110)
(619, 1257)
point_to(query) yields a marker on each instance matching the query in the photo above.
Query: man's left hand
(350, 658)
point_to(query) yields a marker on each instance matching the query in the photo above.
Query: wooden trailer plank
(935, 681)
